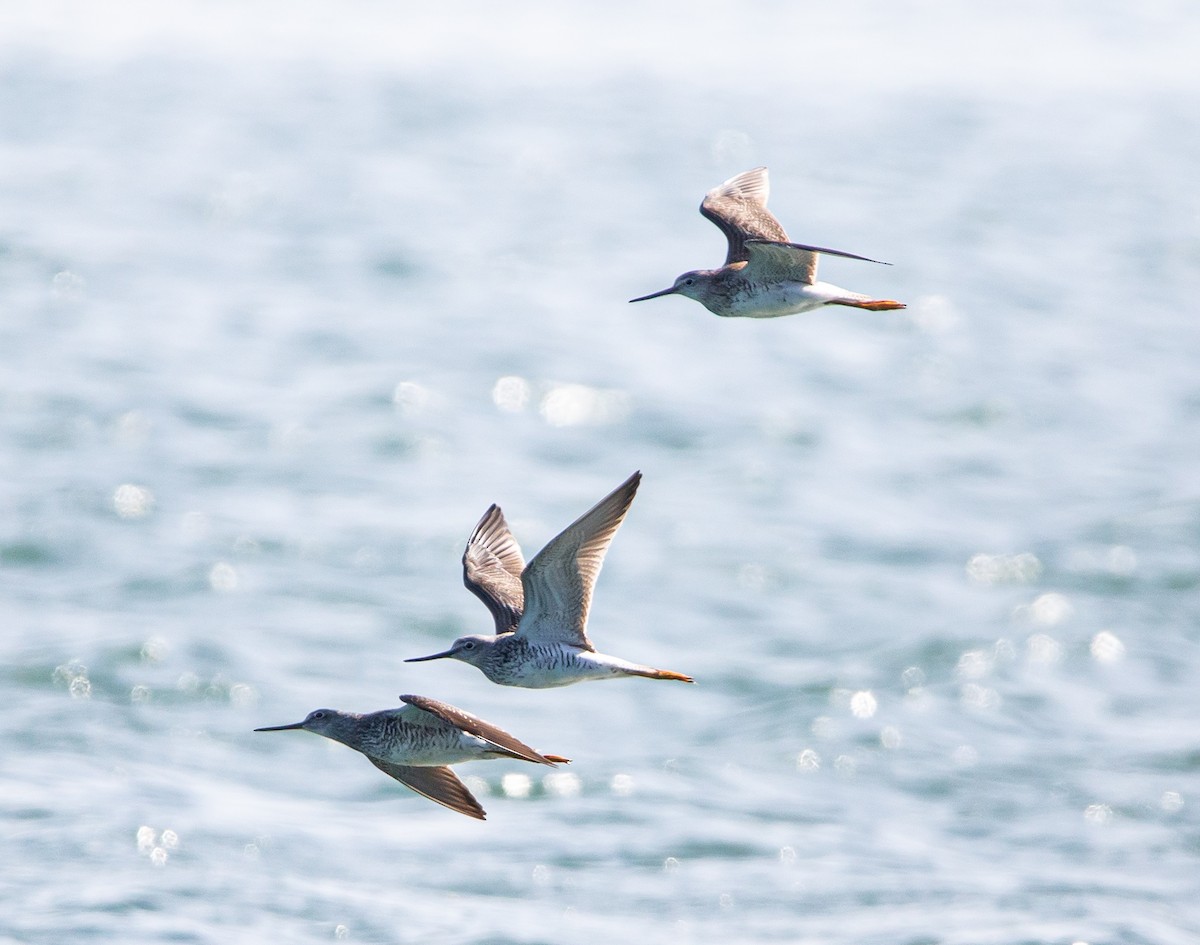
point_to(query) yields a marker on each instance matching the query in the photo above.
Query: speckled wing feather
(559, 580)
(473, 725)
(438, 784)
(771, 261)
(739, 209)
(492, 566)
(779, 262)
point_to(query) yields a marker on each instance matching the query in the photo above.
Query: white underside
(448, 750)
(579, 666)
(788, 299)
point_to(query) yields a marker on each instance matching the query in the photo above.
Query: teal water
(290, 295)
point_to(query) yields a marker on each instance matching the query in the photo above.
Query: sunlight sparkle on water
(409, 397)
(223, 577)
(188, 683)
(243, 695)
(808, 760)
(934, 314)
(146, 838)
(1018, 568)
(1050, 609)
(511, 394)
(154, 650)
(569, 405)
(1043, 650)
(66, 286)
(1106, 647)
(621, 785)
(514, 784)
(974, 664)
(1099, 814)
(131, 501)
(154, 846)
(863, 705)
(562, 784)
(74, 675)
(975, 696)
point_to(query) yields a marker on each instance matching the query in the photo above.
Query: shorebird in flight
(541, 610)
(417, 743)
(765, 275)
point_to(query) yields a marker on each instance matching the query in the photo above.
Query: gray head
(471, 649)
(693, 285)
(328, 722)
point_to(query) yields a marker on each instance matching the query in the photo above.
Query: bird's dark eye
(318, 715)
(469, 645)
(689, 281)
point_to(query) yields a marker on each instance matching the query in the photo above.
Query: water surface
(290, 295)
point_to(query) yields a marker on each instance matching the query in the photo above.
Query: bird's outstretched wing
(739, 209)
(559, 580)
(438, 784)
(473, 725)
(771, 261)
(492, 566)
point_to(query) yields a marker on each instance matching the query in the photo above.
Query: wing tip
(753, 185)
(486, 525)
(804, 247)
(476, 813)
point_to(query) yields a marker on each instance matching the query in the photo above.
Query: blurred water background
(290, 292)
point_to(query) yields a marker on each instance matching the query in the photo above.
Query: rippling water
(291, 293)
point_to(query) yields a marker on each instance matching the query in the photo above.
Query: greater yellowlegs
(541, 610)
(765, 275)
(416, 743)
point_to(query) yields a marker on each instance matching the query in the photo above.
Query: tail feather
(874, 305)
(659, 674)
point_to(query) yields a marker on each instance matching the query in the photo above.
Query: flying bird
(540, 610)
(765, 275)
(417, 743)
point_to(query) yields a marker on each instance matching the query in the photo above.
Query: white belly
(785, 298)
